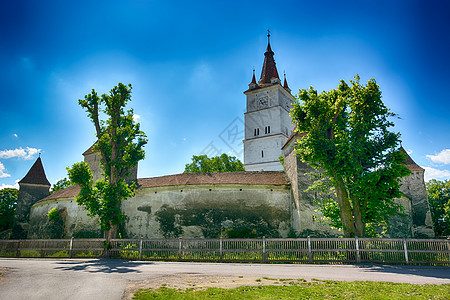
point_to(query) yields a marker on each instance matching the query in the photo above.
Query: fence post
(221, 249)
(264, 258)
(140, 249)
(406, 251)
(70, 247)
(309, 250)
(18, 249)
(358, 256)
(43, 249)
(179, 248)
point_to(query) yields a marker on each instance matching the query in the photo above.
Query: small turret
(93, 159)
(32, 188)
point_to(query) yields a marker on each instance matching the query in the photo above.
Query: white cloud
(432, 173)
(136, 117)
(27, 153)
(409, 152)
(3, 174)
(15, 135)
(443, 157)
(8, 186)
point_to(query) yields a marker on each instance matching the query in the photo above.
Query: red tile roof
(410, 163)
(249, 178)
(36, 175)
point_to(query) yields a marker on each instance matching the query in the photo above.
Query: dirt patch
(190, 281)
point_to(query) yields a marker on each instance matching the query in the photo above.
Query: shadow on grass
(101, 266)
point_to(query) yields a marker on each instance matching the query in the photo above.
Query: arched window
(262, 153)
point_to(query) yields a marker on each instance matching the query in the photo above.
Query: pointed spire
(285, 84)
(269, 70)
(253, 84)
(36, 175)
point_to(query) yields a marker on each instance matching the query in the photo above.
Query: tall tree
(348, 141)
(439, 199)
(120, 144)
(8, 201)
(222, 163)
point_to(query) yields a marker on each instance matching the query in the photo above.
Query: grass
(307, 290)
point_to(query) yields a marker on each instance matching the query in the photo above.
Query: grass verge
(307, 290)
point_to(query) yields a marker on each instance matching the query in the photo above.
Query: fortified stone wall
(413, 187)
(73, 221)
(188, 211)
(304, 213)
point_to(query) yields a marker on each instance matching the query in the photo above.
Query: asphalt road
(107, 279)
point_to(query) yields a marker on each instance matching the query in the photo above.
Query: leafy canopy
(348, 141)
(439, 199)
(120, 143)
(8, 202)
(61, 184)
(222, 163)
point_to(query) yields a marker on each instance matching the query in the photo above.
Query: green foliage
(348, 141)
(439, 199)
(222, 163)
(120, 143)
(301, 289)
(61, 184)
(101, 198)
(8, 202)
(53, 214)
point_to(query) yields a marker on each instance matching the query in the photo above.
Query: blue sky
(190, 61)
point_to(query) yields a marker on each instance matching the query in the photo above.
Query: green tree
(348, 141)
(61, 184)
(120, 143)
(8, 201)
(439, 199)
(222, 163)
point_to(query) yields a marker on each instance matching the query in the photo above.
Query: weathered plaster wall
(189, 211)
(74, 220)
(208, 211)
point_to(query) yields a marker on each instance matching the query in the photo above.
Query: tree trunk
(345, 209)
(359, 225)
(111, 233)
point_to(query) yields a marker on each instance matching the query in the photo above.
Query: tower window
(262, 153)
(267, 129)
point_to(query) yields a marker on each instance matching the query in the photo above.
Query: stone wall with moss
(188, 211)
(72, 221)
(209, 211)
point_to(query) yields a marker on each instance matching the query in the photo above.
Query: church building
(268, 199)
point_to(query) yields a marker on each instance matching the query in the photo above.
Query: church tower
(267, 121)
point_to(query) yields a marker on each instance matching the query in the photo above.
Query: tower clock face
(263, 101)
